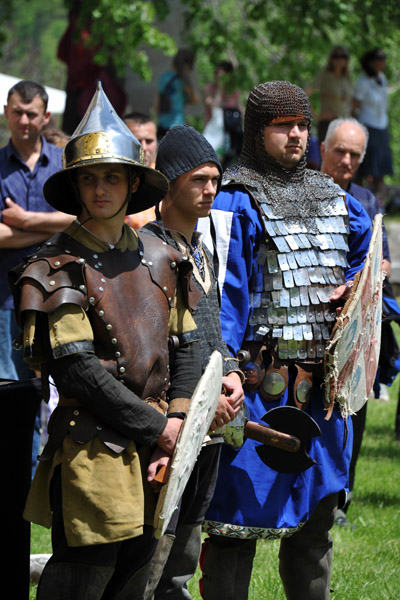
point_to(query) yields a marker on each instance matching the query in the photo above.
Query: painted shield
(352, 353)
(202, 409)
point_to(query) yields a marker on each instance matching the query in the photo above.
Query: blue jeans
(12, 366)
(7, 367)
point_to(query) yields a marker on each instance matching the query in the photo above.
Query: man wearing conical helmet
(101, 308)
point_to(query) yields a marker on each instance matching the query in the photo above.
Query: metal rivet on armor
(117, 354)
(52, 282)
(67, 251)
(81, 260)
(150, 263)
(169, 299)
(33, 257)
(99, 427)
(82, 287)
(140, 253)
(76, 412)
(165, 288)
(122, 369)
(303, 392)
(72, 423)
(101, 289)
(48, 243)
(101, 313)
(100, 264)
(173, 264)
(57, 263)
(102, 280)
(109, 326)
(274, 384)
(114, 340)
(96, 266)
(92, 300)
(143, 261)
(95, 256)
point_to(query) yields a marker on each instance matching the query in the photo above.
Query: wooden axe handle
(271, 437)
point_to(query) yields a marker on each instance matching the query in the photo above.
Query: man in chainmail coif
(289, 243)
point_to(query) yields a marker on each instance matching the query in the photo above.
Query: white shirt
(374, 101)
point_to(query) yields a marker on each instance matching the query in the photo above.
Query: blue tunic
(252, 500)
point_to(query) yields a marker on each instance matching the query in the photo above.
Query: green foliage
(119, 29)
(270, 40)
(265, 39)
(29, 35)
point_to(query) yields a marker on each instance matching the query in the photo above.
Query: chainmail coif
(298, 192)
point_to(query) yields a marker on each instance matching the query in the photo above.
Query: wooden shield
(352, 352)
(201, 412)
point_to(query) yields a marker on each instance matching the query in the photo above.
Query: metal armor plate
(299, 263)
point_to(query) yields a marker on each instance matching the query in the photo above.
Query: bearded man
(289, 244)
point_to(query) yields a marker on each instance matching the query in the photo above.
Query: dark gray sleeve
(185, 367)
(82, 376)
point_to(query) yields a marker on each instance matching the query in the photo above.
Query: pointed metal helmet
(102, 137)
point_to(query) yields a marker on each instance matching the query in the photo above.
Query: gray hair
(333, 125)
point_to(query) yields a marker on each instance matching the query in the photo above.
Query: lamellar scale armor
(299, 264)
(301, 258)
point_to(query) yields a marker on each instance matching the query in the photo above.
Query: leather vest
(127, 297)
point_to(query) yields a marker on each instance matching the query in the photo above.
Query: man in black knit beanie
(194, 173)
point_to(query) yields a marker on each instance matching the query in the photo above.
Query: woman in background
(175, 90)
(333, 85)
(370, 107)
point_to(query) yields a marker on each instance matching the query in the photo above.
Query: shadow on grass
(380, 430)
(381, 450)
(377, 498)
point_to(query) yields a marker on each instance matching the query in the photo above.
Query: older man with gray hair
(342, 153)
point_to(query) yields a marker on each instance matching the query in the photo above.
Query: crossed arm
(20, 228)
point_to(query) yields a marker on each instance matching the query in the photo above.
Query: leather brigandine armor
(115, 289)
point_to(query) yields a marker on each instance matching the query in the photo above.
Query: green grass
(366, 560)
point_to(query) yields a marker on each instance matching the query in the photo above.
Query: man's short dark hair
(138, 117)
(28, 90)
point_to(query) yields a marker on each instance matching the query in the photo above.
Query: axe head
(293, 421)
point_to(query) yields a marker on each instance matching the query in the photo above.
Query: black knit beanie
(183, 149)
